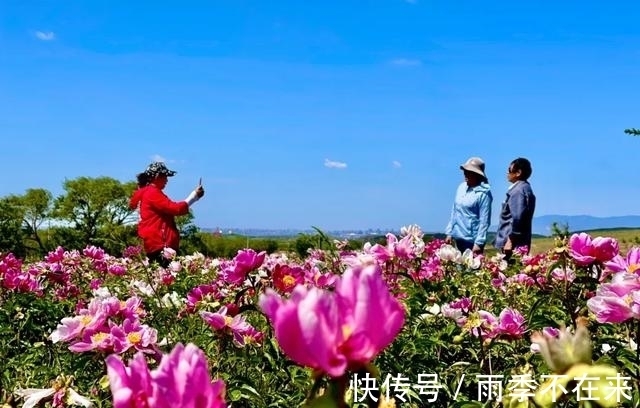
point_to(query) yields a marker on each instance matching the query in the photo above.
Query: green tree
(190, 237)
(632, 132)
(560, 231)
(91, 204)
(11, 231)
(34, 208)
(303, 243)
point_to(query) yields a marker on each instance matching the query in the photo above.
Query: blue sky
(334, 114)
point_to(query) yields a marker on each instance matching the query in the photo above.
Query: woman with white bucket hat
(471, 211)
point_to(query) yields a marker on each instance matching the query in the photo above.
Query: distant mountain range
(542, 224)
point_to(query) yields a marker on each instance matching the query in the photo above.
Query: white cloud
(158, 158)
(396, 164)
(411, 1)
(334, 164)
(45, 35)
(405, 62)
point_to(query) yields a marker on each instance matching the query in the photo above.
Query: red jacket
(157, 226)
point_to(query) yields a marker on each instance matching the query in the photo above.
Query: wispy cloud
(334, 164)
(406, 62)
(158, 158)
(45, 35)
(396, 164)
(411, 1)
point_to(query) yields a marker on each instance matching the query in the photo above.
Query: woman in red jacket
(157, 226)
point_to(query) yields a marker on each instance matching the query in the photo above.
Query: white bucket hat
(475, 165)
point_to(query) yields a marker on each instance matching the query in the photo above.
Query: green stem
(314, 388)
(341, 387)
(482, 353)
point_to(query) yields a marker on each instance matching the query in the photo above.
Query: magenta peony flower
(336, 331)
(511, 324)
(586, 251)
(248, 260)
(181, 380)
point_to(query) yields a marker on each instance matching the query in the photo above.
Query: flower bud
(567, 349)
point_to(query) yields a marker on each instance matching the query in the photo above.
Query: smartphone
(200, 181)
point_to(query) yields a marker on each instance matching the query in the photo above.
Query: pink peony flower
(220, 320)
(248, 260)
(181, 380)
(101, 341)
(117, 269)
(201, 294)
(511, 324)
(617, 301)
(285, 277)
(630, 264)
(242, 332)
(133, 335)
(336, 331)
(169, 253)
(586, 251)
(93, 252)
(486, 327)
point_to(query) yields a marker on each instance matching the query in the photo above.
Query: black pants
(156, 256)
(508, 253)
(463, 245)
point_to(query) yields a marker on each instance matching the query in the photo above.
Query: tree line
(90, 211)
(95, 211)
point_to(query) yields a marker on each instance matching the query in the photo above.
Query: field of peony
(407, 323)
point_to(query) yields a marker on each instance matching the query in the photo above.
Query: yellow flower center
(347, 331)
(472, 322)
(134, 337)
(228, 320)
(99, 337)
(288, 281)
(85, 320)
(633, 268)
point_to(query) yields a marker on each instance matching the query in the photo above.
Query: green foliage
(12, 236)
(65, 237)
(632, 132)
(91, 203)
(303, 243)
(560, 231)
(262, 376)
(227, 246)
(35, 208)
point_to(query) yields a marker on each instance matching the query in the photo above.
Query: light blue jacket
(471, 214)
